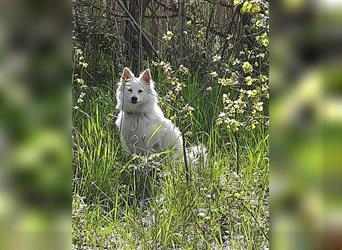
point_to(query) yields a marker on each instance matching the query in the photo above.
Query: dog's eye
(139, 91)
(130, 90)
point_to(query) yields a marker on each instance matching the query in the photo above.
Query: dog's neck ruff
(135, 113)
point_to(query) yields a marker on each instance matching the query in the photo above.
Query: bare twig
(186, 166)
(255, 219)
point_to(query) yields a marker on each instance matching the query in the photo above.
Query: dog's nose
(134, 99)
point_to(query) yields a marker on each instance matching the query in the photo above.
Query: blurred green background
(35, 125)
(306, 125)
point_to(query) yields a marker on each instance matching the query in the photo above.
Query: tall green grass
(120, 202)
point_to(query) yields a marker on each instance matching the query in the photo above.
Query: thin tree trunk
(181, 23)
(134, 34)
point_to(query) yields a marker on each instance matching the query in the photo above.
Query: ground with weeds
(123, 202)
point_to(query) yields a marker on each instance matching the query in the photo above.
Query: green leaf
(246, 7)
(155, 132)
(255, 8)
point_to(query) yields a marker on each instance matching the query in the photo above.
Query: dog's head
(135, 94)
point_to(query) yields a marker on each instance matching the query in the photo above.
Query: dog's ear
(127, 74)
(146, 76)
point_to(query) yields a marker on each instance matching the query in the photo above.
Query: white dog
(142, 125)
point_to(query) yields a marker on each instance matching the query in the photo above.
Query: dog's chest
(137, 124)
(140, 132)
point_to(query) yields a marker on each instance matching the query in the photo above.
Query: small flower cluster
(166, 66)
(230, 122)
(244, 75)
(247, 67)
(183, 70)
(175, 82)
(168, 36)
(80, 98)
(80, 58)
(246, 95)
(213, 74)
(226, 81)
(216, 58)
(187, 109)
(201, 33)
(80, 66)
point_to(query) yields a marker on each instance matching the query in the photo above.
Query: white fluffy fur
(142, 125)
